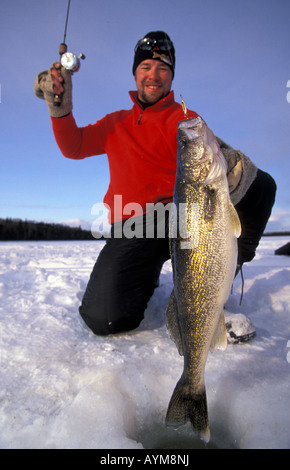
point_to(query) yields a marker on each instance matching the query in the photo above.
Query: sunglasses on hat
(147, 44)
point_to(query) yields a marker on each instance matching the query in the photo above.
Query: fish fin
(173, 324)
(184, 407)
(219, 339)
(235, 219)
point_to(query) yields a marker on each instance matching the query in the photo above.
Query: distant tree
(17, 229)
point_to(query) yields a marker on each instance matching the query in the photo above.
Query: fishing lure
(184, 107)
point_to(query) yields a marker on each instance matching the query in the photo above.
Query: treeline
(276, 234)
(17, 229)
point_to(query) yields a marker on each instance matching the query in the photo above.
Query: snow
(62, 387)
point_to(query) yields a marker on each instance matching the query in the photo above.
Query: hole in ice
(159, 436)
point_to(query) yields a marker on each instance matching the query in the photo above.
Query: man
(141, 147)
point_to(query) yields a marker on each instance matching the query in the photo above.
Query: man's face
(153, 79)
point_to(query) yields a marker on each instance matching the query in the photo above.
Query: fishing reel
(70, 62)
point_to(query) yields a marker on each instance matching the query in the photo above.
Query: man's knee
(101, 326)
(121, 284)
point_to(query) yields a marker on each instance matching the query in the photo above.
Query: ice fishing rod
(67, 59)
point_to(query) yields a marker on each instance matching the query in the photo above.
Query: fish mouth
(191, 127)
(191, 130)
(188, 131)
(201, 159)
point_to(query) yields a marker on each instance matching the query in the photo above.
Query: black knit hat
(155, 45)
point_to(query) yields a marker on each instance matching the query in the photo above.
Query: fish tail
(185, 406)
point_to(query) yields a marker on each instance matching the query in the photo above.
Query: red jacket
(141, 148)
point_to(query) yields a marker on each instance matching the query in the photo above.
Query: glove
(43, 88)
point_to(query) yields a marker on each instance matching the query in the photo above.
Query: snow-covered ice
(64, 387)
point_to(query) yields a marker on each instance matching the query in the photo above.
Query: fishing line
(66, 21)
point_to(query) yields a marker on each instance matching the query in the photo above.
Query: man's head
(153, 67)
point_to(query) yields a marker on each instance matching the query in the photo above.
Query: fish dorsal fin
(236, 224)
(219, 339)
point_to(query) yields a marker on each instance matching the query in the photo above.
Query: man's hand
(55, 81)
(57, 78)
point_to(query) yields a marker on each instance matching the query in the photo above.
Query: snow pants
(127, 269)
(254, 211)
(124, 277)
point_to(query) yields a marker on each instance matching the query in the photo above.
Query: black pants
(254, 211)
(127, 269)
(123, 280)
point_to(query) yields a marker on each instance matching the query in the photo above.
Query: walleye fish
(204, 254)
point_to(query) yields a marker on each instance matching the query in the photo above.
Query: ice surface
(64, 387)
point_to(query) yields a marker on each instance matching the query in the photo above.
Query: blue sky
(232, 67)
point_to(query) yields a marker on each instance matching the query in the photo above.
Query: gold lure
(184, 107)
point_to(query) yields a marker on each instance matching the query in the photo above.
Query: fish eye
(183, 141)
(211, 191)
